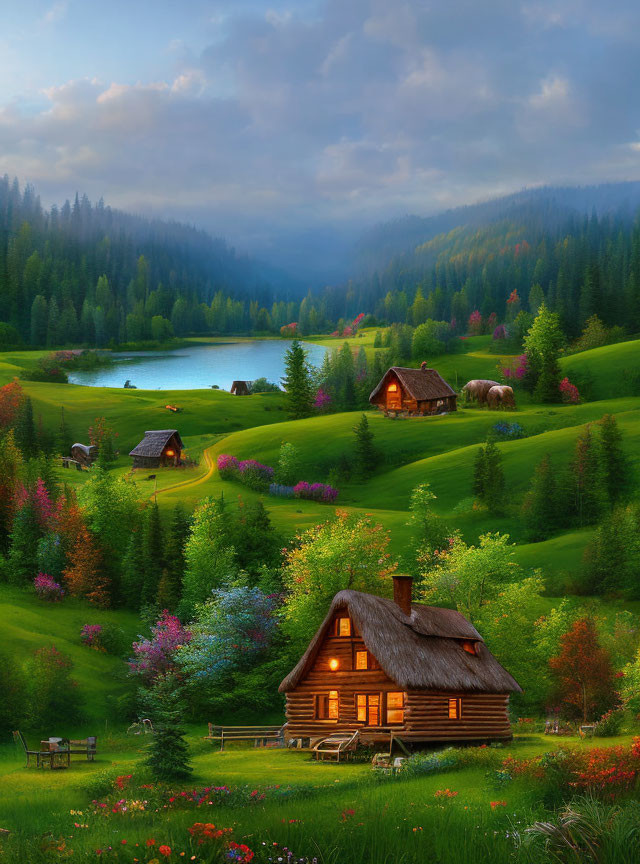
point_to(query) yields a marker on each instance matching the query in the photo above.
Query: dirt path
(183, 484)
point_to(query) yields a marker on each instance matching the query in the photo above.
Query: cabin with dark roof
(422, 391)
(396, 670)
(240, 388)
(158, 448)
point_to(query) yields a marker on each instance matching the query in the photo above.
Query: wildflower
(164, 850)
(495, 804)
(151, 841)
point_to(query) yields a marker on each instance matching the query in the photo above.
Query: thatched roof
(240, 387)
(88, 449)
(422, 651)
(155, 441)
(421, 384)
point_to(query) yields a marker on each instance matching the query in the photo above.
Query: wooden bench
(261, 736)
(79, 746)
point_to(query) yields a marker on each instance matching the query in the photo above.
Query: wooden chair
(262, 736)
(50, 753)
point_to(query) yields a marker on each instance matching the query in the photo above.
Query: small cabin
(85, 454)
(240, 388)
(159, 448)
(413, 391)
(396, 669)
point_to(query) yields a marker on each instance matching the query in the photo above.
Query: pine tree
(365, 456)
(540, 505)
(153, 553)
(132, 573)
(64, 438)
(614, 462)
(174, 555)
(590, 494)
(542, 346)
(168, 756)
(297, 382)
(25, 430)
(494, 478)
(23, 546)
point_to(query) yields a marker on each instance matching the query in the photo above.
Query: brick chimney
(402, 585)
(424, 366)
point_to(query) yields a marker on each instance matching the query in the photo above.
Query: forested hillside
(90, 274)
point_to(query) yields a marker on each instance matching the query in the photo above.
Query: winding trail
(183, 484)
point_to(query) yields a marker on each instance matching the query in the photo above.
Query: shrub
(315, 492)
(261, 385)
(227, 466)
(281, 491)
(508, 431)
(103, 637)
(255, 475)
(610, 723)
(569, 392)
(47, 588)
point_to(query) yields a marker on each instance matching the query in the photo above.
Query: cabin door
(394, 397)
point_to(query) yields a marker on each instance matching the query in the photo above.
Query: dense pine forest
(87, 274)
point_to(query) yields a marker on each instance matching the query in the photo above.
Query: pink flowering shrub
(47, 588)
(227, 465)
(322, 400)
(289, 330)
(156, 655)
(90, 636)
(315, 492)
(569, 392)
(475, 323)
(255, 475)
(357, 321)
(516, 370)
(500, 332)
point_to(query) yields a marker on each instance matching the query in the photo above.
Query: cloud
(346, 113)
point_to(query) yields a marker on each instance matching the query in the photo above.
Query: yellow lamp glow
(171, 453)
(333, 664)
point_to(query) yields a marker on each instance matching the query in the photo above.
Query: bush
(47, 588)
(103, 637)
(227, 466)
(610, 723)
(261, 385)
(508, 431)
(315, 492)
(255, 475)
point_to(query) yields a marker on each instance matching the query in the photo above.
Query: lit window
(343, 627)
(327, 705)
(368, 708)
(392, 388)
(362, 660)
(455, 708)
(334, 663)
(395, 708)
(470, 647)
(170, 453)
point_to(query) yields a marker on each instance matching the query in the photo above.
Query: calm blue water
(198, 367)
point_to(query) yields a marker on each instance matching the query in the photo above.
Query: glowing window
(361, 703)
(455, 708)
(170, 453)
(343, 627)
(395, 708)
(368, 708)
(362, 660)
(327, 705)
(392, 388)
(470, 647)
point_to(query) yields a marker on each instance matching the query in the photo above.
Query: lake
(198, 367)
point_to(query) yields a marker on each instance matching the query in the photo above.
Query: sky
(267, 121)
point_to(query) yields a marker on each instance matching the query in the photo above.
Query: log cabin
(85, 454)
(158, 448)
(422, 391)
(396, 670)
(240, 388)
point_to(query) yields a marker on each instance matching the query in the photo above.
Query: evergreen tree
(64, 440)
(365, 451)
(488, 477)
(540, 504)
(23, 546)
(84, 574)
(153, 553)
(297, 382)
(168, 756)
(133, 573)
(255, 540)
(614, 462)
(429, 533)
(174, 554)
(542, 346)
(590, 494)
(25, 430)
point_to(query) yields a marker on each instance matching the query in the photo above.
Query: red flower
(164, 850)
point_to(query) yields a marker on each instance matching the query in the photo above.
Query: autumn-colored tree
(10, 398)
(583, 673)
(84, 576)
(348, 551)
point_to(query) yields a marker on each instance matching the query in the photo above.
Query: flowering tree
(322, 402)
(475, 323)
(569, 391)
(228, 633)
(158, 655)
(348, 551)
(583, 672)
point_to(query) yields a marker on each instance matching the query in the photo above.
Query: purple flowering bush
(47, 588)
(90, 636)
(255, 475)
(157, 655)
(315, 492)
(227, 466)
